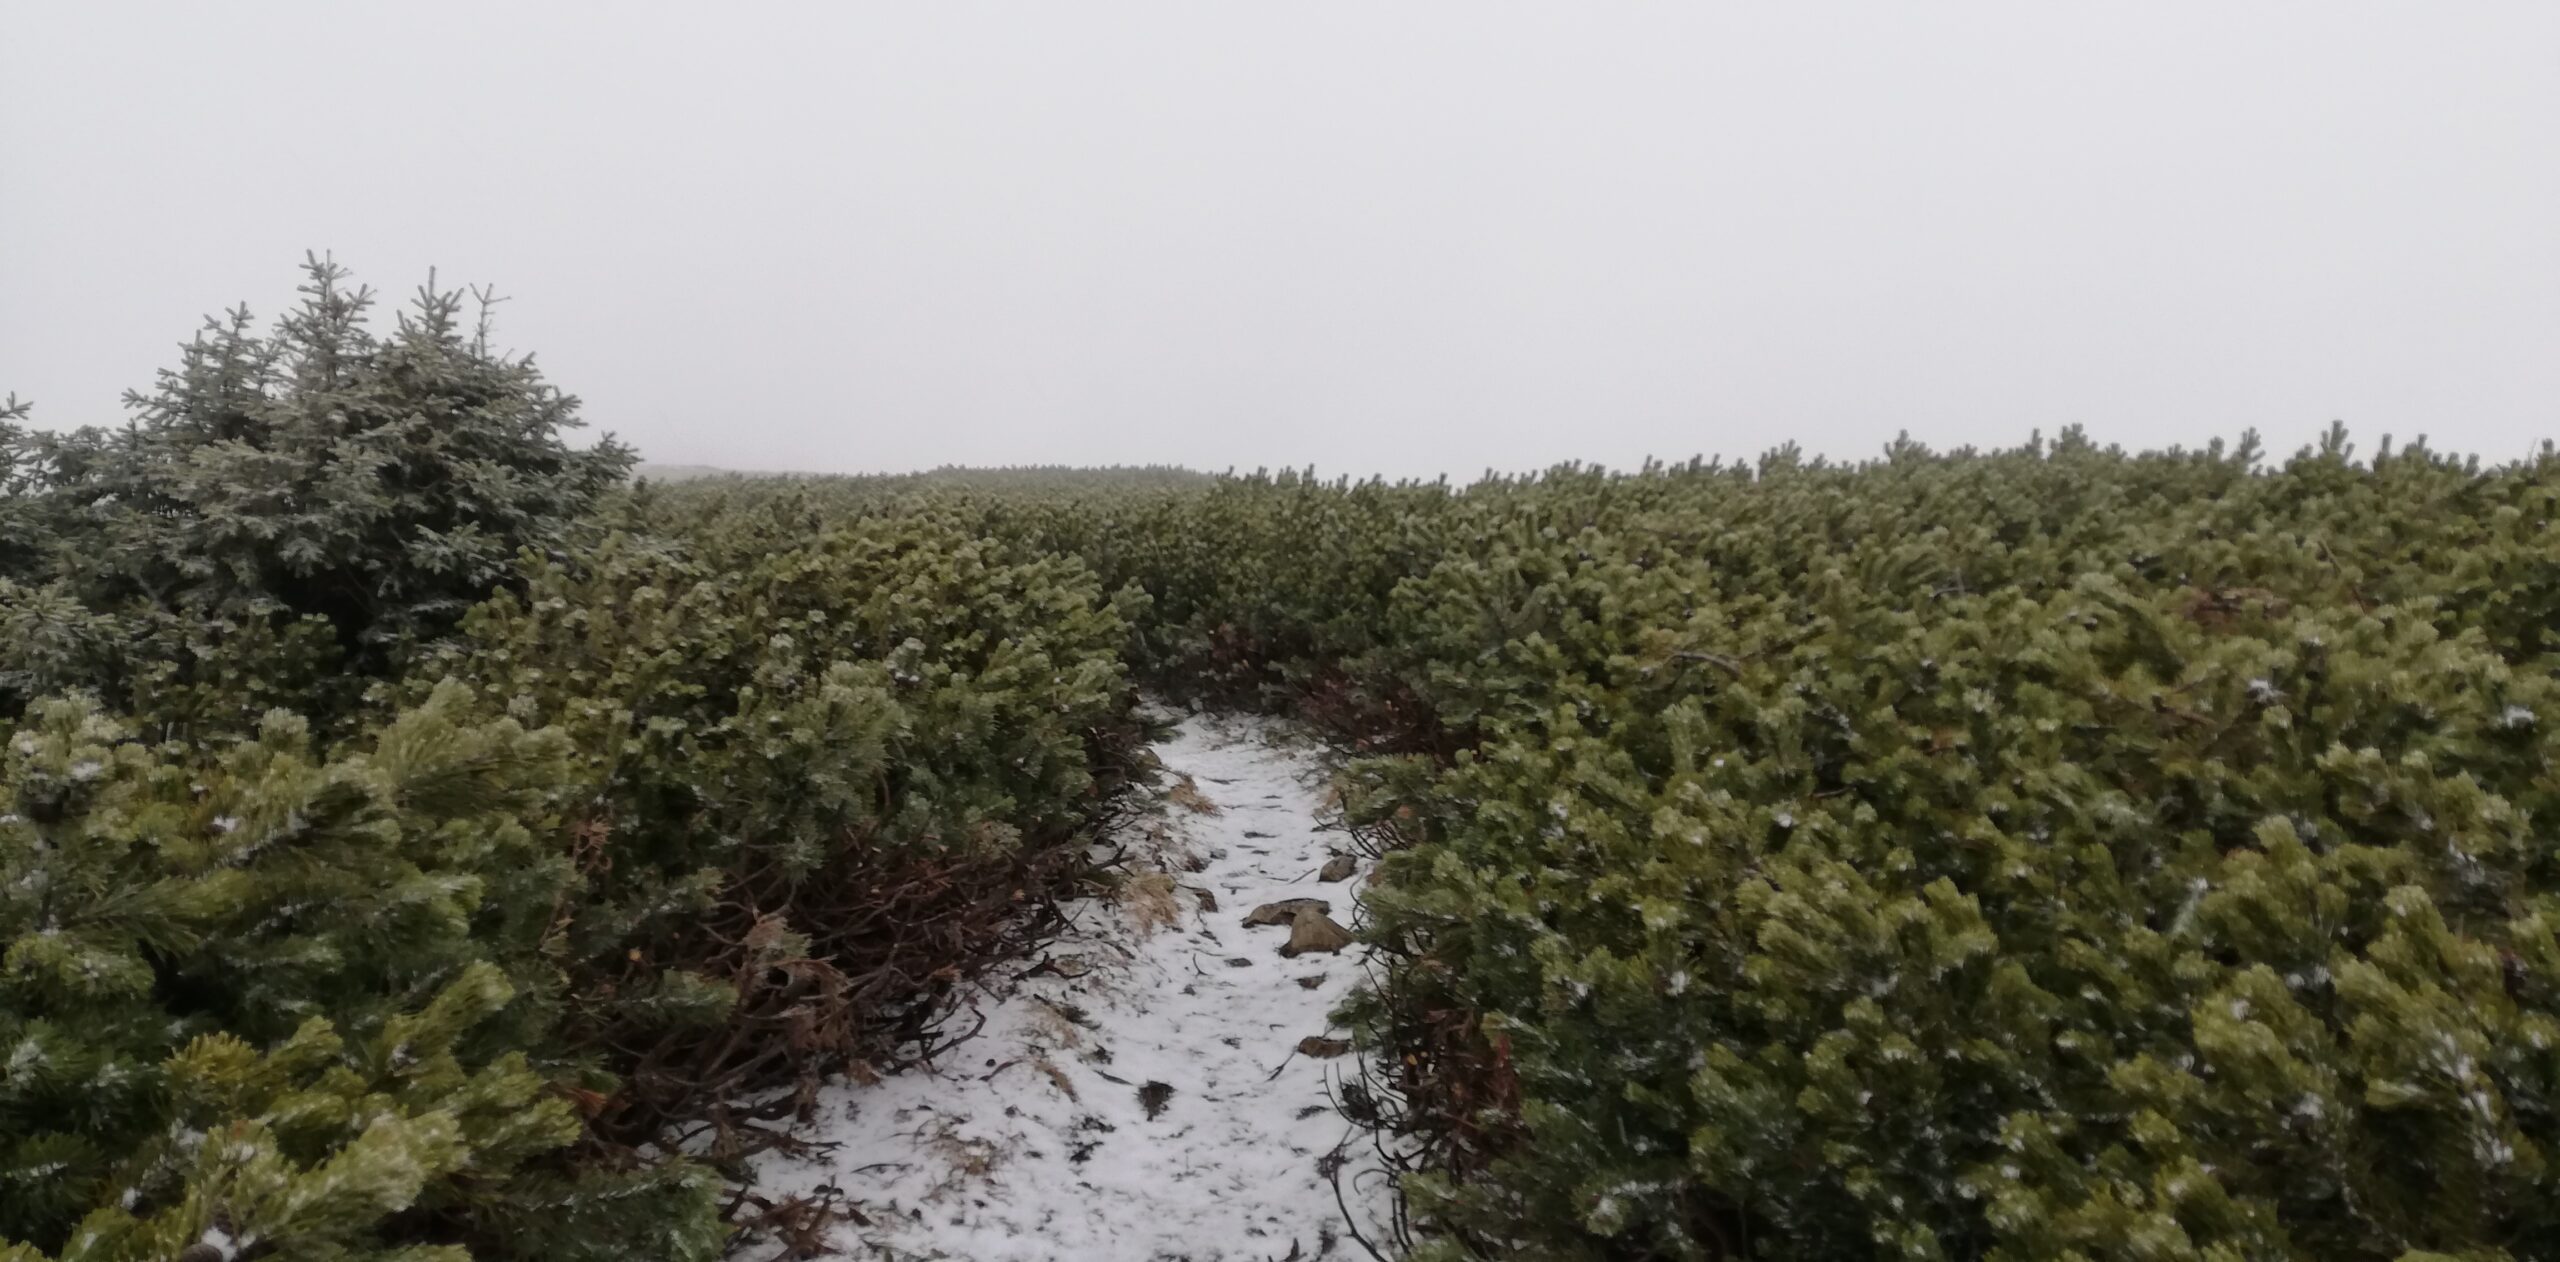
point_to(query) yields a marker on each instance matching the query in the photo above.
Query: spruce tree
(321, 498)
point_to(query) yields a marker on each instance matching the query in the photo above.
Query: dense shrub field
(2042, 853)
(418, 842)
(410, 841)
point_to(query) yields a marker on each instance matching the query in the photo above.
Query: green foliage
(376, 486)
(784, 732)
(681, 791)
(407, 841)
(407, 849)
(270, 992)
(2041, 853)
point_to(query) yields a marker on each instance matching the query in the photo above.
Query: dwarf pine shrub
(2055, 852)
(414, 847)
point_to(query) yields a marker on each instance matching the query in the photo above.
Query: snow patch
(1143, 1095)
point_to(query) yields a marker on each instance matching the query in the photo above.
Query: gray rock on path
(1315, 931)
(1285, 911)
(1338, 868)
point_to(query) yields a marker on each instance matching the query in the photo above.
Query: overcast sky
(1384, 237)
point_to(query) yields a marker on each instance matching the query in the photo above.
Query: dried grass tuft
(1187, 795)
(1150, 902)
(1056, 1075)
(1054, 1026)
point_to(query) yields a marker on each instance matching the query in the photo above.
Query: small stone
(1322, 1048)
(1338, 868)
(1208, 901)
(1239, 962)
(1153, 1097)
(1315, 931)
(1285, 911)
(1310, 983)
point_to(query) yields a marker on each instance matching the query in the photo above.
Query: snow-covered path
(1052, 1136)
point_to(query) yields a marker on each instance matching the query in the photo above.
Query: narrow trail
(1142, 1096)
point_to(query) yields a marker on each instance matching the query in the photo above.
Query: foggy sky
(1401, 238)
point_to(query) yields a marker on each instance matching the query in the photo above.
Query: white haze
(1400, 238)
